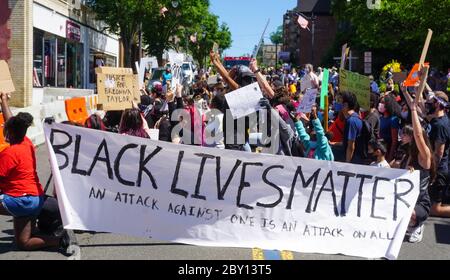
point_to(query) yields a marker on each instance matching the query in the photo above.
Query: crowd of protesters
(404, 128)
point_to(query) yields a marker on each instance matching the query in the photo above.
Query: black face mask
(430, 108)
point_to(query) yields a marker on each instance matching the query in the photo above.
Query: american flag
(303, 22)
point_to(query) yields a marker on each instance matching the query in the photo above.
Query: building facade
(270, 54)
(53, 43)
(310, 45)
(291, 37)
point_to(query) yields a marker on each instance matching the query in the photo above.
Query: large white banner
(209, 197)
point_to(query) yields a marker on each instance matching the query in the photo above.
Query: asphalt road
(435, 245)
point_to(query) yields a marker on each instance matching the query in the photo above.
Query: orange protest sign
(414, 76)
(76, 110)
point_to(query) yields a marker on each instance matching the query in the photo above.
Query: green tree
(277, 38)
(123, 18)
(398, 29)
(208, 32)
(171, 31)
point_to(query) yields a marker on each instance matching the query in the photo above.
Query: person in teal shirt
(318, 148)
(167, 76)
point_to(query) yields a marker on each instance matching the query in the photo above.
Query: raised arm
(265, 87)
(425, 156)
(222, 71)
(7, 114)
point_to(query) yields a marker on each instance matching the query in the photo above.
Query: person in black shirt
(440, 130)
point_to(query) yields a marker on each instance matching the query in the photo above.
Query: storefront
(66, 52)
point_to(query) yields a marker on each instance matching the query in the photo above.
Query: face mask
(381, 108)
(405, 115)
(430, 108)
(313, 145)
(338, 107)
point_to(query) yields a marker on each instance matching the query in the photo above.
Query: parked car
(188, 72)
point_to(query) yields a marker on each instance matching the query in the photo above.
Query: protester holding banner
(95, 122)
(133, 124)
(22, 196)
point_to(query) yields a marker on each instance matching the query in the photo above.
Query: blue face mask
(313, 145)
(338, 107)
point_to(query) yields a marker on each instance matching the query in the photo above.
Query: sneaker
(415, 234)
(64, 243)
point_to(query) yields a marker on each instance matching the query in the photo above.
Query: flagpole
(312, 18)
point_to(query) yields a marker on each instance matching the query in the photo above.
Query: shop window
(38, 62)
(61, 63)
(98, 59)
(49, 62)
(74, 65)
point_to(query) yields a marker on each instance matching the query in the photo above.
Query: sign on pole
(324, 91)
(117, 88)
(357, 84)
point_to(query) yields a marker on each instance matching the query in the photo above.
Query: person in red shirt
(21, 194)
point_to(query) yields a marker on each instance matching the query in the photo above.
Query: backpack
(362, 142)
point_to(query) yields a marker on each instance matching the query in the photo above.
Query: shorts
(440, 190)
(25, 206)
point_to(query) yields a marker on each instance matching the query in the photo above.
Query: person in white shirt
(310, 80)
(319, 74)
(378, 151)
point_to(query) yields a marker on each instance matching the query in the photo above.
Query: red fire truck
(230, 62)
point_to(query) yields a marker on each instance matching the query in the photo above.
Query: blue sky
(247, 19)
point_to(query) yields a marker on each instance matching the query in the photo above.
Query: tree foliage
(163, 33)
(208, 32)
(277, 36)
(160, 33)
(123, 18)
(398, 29)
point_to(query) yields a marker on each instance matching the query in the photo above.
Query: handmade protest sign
(308, 100)
(414, 76)
(210, 197)
(244, 101)
(305, 83)
(324, 90)
(344, 55)
(357, 84)
(117, 88)
(6, 83)
(145, 66)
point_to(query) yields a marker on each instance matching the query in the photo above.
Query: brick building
(299, 42)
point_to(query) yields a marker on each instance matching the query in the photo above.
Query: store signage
(73, 31)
